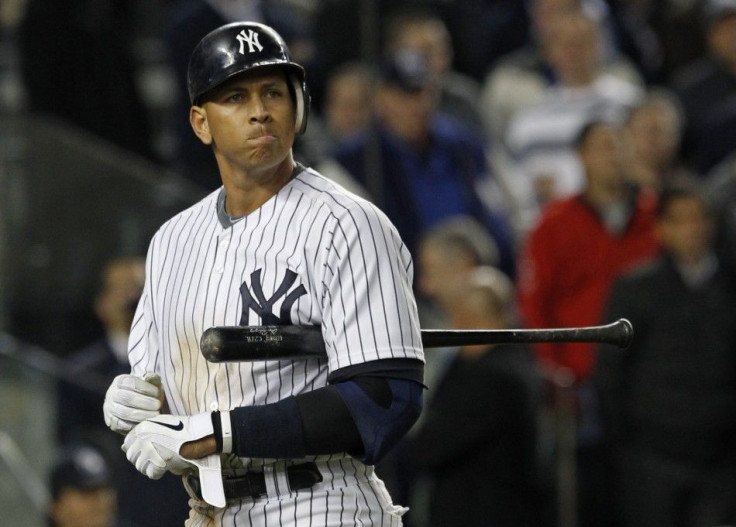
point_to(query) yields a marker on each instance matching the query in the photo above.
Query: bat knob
(626, 333)
(211, 345)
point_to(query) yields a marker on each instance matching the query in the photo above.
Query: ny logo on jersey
(250, 38)
(262, 306)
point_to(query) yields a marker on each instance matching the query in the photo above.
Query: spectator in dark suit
(707, 89)
(477, 440)
(721, 192)
(120, 288)
(80, 410)
(669, 401)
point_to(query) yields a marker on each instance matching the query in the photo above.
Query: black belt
(253, 484)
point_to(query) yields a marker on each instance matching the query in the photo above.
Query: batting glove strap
(227, 433)
(223, 430)
(130, 400)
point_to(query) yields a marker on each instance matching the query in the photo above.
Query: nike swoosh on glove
(153, 447)
(130, 400)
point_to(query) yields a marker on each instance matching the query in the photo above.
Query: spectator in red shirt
(569, 262)
(581, 244)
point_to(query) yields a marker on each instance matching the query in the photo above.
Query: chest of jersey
(256, 272)
(312, 255)
(253, 273)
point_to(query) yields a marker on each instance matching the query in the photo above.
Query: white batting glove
(153, 447)
(130, 400)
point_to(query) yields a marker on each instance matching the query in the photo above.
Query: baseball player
(275, 442)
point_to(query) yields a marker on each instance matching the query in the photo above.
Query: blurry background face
(655, 135)
(602, 154)
(122, 286)
(347, 108)
(431, 39)
(543, 13)
(481, 301)
(406, 114)
(685, 229)
(85, 508)
(722, 39)
(440, 272)
(436, 268)
(573, 48)
(473, 309)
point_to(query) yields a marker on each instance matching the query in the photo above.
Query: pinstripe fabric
(363, 502)
(313, 254)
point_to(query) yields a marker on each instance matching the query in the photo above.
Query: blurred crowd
(549, 163)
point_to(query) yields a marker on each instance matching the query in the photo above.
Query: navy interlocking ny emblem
(262, 306)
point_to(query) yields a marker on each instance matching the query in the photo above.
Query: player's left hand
(154, 445)
(131, 399)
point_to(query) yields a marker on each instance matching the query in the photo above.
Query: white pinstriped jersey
(313, 254)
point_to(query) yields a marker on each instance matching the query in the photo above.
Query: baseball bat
(255, 343)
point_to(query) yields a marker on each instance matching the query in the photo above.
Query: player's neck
(245, 193)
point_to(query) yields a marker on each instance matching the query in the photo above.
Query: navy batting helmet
(239, 47)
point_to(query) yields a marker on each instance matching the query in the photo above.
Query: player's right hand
(155, 446)
(130, 400)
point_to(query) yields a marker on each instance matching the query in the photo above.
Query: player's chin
(260, 158)
(267, 151)
(264, 158)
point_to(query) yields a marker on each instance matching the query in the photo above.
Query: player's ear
(198, 121)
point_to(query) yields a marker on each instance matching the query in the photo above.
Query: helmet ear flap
(302, 101)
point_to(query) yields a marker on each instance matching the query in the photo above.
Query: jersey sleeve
(368, 306)
(143, 341)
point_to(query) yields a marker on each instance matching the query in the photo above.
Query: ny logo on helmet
(250, 38)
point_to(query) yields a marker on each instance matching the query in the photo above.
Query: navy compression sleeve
(363, 416)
